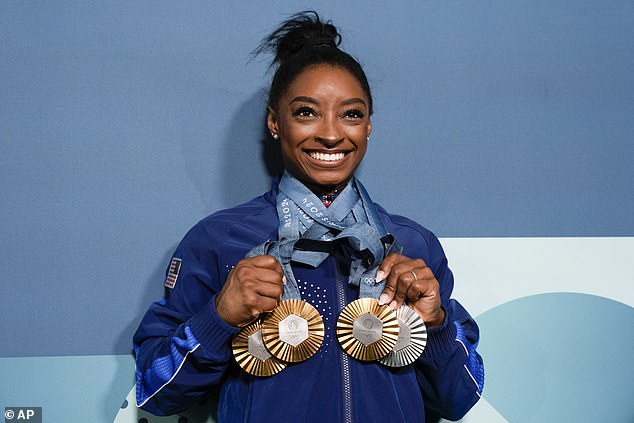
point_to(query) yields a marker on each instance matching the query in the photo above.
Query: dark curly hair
(301, 41)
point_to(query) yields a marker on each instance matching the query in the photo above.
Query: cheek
(362, 151)
(362, 146)
(359, 135)
(291, 153)
(295, 133)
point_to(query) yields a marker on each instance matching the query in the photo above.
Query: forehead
(326, 81)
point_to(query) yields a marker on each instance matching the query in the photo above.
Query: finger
(422, 283)
(266, 304)
(424, 297)
(419, 289)
(404, 276)
(266, 262)
(265, 298)
(425, 272)
(271, 263)
(406, 272)
(246, 273)
(269, 290)
(386, 268)
(266, 276)
(258, 306)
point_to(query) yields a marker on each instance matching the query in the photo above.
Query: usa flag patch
(172, 273)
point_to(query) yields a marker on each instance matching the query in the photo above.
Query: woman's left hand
(410, 280)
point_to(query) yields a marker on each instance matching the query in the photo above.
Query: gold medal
(251, 353)
(294, 331)
(412, 339)
(366, 330)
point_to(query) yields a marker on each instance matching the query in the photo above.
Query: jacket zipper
(345, 360)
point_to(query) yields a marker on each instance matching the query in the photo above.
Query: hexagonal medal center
(367, 329)
(257, 348)
(293, 330)
(404, 336)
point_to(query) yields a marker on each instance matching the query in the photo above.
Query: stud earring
(368, 138)
(275, 136)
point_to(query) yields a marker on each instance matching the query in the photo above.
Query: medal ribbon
(350, 230)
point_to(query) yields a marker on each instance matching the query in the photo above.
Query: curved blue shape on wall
(561, 357)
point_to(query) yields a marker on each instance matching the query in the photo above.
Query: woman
(342, 246)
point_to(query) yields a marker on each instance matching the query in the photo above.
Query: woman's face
(323, 124)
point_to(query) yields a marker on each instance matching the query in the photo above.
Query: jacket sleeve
(450, 372)
(182, 346)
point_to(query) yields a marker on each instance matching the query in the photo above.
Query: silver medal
(411, 341)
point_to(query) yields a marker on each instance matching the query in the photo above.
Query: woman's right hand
(254, 286)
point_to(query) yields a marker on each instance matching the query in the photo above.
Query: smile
(327, 157)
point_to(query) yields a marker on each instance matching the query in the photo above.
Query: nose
(329, 133)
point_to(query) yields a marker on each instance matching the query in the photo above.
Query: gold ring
(415, 277)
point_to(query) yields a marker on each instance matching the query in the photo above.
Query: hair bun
(327, 36)
(301, 31)
(301, 41)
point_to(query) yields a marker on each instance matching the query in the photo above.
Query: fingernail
(393, 305)
(383, 299)
(380, 275)
(284, 279)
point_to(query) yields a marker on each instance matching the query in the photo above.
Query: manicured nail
(383, 299)
(284, 279)
(393, 305)
(380, 275)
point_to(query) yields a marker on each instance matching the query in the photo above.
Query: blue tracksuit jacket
(183, 348)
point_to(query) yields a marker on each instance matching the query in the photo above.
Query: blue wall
(123, 123)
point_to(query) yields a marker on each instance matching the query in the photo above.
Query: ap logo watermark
(22, 414)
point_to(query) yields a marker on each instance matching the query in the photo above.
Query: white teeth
(327, 157)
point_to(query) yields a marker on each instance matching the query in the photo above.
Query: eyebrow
(304, 99)
(346, 102)
(354, 100)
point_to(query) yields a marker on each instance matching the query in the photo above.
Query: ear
(369, 128)
(272, 122)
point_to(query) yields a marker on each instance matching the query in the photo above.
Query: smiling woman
(323, 124)
(311, 302)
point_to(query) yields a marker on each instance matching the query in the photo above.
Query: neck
(328, 197)
(320, 190)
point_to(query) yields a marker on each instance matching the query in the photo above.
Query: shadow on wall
(252, 156)
(230, 168)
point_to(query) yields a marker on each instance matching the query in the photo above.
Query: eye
(354, 114)
(304, 112)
